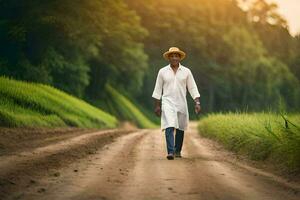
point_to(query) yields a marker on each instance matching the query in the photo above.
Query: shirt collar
(180, 67)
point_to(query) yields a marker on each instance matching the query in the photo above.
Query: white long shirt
(171, 89)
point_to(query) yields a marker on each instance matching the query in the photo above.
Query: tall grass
(261, 136)
(38, 105)
(120, 106)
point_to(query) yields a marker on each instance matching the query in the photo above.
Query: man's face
(174, 58)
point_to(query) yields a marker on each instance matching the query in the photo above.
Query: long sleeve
(157, 93)
(192, 87)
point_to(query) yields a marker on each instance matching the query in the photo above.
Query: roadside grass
(24, 104)
(121, 106)
(267, 137)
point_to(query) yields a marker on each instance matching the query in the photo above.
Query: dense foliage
(74, 45)
(240, 58)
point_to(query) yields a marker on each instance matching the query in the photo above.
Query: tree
(266, 13)
(67, 44)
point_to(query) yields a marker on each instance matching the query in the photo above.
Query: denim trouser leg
(179, 140)
(170, 139)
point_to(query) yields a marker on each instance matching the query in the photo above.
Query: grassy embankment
(262, 136)
(119, 105)
(24, 104)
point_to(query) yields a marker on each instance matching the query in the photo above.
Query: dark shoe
(170, 156)
(178, 155)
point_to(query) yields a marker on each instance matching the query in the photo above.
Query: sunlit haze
(290, 9)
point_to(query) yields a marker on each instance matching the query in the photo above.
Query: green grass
(118, 105)
(24, 104)
(262, 136)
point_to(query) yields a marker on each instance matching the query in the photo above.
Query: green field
(262, 136)
(24, 104)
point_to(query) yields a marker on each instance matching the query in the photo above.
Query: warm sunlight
(155, 99)
(290, 9)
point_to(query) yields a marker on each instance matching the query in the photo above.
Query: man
(171, 84)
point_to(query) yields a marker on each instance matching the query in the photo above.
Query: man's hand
(197, 105)
(197, 108)
(157, 110)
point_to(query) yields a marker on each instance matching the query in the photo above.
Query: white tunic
(171, 88)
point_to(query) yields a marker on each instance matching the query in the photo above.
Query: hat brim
(181, 53)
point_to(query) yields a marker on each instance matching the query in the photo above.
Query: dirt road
(133, 166)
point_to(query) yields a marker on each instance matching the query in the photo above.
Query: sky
(290, 10)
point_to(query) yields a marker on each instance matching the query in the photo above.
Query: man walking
(171, 84)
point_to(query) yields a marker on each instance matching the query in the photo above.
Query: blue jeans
(171, 148)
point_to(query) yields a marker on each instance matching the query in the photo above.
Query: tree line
(241, 58)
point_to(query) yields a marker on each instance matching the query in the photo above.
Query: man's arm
(193, 90)
(157, 93)
(157, 108)
(197, 105)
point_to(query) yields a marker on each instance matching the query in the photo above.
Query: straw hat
(174, 50)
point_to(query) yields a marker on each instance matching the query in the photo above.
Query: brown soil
(128, 164)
